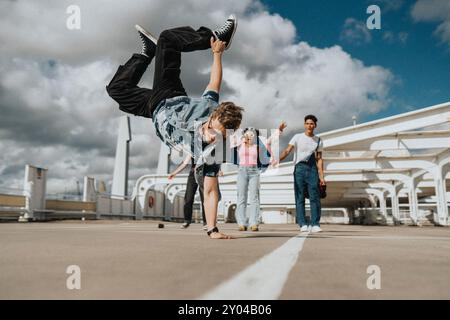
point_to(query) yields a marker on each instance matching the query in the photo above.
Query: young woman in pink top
(248, 181)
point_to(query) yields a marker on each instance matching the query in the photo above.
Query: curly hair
(229, 115)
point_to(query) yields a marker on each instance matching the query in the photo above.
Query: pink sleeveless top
(248, 156)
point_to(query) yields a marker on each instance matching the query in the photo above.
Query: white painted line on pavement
(265, 279)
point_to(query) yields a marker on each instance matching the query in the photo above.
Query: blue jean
(248, 190)
(307, 176)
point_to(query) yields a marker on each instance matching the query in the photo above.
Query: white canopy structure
(397, 162)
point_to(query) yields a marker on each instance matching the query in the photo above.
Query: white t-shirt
(304, 146)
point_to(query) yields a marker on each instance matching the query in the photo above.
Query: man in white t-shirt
(308, 173)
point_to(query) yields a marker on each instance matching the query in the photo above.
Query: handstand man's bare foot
(220, 235)
(215, 234)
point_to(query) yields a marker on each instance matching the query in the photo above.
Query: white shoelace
(225, 28)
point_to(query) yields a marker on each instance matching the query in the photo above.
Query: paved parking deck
(137, 260)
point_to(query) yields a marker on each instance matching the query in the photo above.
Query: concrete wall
(67, 205)
(8, 200)
(107, 207)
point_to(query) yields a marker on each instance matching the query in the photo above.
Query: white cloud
(434, 11)
(327, 82)
(62, 119)
(56, 113)
(355, 32)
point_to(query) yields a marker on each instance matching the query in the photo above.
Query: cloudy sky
(288, 58)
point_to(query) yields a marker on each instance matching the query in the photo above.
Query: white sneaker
(316, 229)
(304, 228)
(185, 225)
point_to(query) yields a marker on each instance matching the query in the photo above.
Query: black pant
(166, 82)
(191, 189)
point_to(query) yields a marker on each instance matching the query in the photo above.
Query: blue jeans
(307, 176)
(248, 190)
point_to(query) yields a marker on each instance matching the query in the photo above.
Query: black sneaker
(148, 42)
(226, 32)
